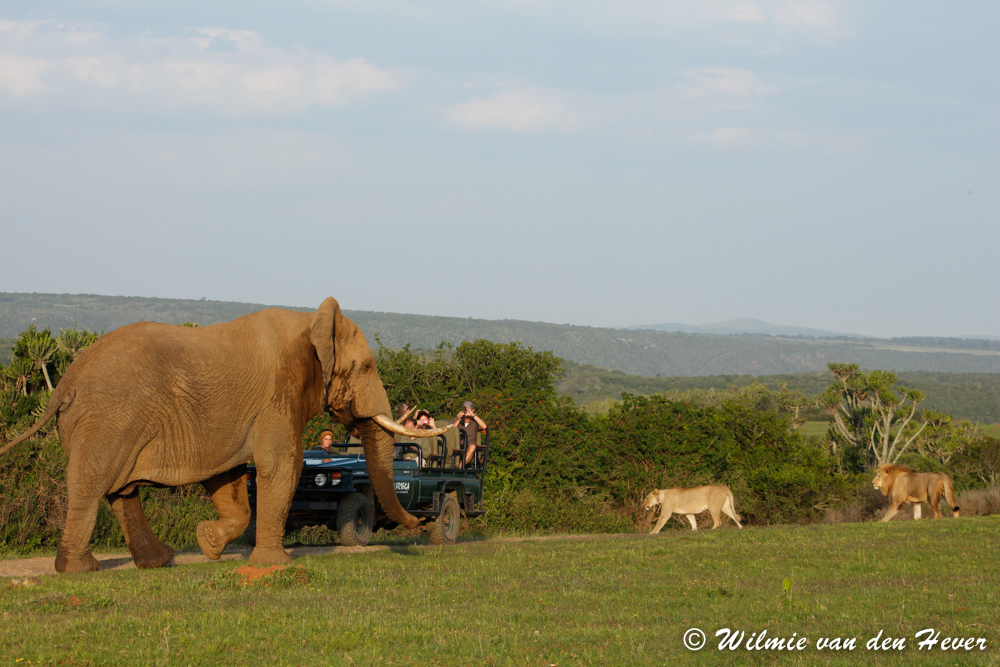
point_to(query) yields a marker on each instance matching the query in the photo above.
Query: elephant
(158, 404)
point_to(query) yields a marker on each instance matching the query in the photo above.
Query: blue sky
(821, 164)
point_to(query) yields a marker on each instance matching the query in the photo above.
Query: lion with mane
(716, 498)
(902, 484)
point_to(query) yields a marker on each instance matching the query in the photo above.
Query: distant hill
(744, 325)
(635, 352)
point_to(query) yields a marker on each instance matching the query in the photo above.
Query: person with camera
(424, 420)
(471, 424)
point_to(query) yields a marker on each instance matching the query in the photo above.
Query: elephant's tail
(56, 402)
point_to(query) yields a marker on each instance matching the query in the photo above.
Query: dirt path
(34, 567)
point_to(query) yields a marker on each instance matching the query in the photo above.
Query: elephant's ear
(324, 322)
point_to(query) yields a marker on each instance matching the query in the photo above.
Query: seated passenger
(326, 440)
(408, 422)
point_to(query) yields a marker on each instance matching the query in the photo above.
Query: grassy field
(595, 600)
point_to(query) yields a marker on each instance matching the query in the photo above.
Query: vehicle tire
(444, 528)
(250, 534)
(355, 518)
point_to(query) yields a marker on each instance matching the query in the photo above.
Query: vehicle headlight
(335, 479)
(320, 479)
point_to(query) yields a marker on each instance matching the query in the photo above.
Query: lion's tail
(55, 403)
(949, 493)
(732, 506)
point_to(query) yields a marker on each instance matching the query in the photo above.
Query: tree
(20, 373)
(871, 413)
(793, 402)
(40, 350)
(71, 342)
(943, 438)
(482, 363)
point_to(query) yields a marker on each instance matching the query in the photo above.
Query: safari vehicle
(430, 476)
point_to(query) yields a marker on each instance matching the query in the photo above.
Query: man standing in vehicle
(471, 424)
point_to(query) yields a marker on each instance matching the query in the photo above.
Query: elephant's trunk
(379, 447)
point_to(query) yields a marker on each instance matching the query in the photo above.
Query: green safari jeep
(431, 479)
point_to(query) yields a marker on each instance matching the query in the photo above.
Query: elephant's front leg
(147, 550)
(229, 495)
(278, 471)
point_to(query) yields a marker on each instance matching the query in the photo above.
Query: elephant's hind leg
(147, 550)
(229, 495)
(73, 553)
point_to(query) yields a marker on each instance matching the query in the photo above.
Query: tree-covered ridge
(635, 352)
(972, 396)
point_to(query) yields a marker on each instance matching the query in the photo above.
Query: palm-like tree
(74, 341)
(20, 373)
(41, 349)
(71, 342)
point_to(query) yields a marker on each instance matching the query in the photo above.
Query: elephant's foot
(263, 556)
(83, 563)
(211, 540)
(153, 554)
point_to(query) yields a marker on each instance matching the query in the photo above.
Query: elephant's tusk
(393, 427)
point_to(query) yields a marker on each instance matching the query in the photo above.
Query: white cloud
(525, 110)
(742, 11)
(244, 40)
(807, 13)
(21, 76)
(723, 82)
(231, 71)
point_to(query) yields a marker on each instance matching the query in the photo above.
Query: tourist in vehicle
(326, 440)
(402, 411)
(424, 420)
(471, 424)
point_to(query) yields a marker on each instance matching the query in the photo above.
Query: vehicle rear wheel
(250, 534)
(444, 528)
(355, 518)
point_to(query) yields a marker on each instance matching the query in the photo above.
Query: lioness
(903, 484)
(716, 498)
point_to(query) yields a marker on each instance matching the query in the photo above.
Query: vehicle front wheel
(355, 518)
(444, 529)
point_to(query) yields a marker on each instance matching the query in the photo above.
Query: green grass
(815, 429)
(611, 600)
